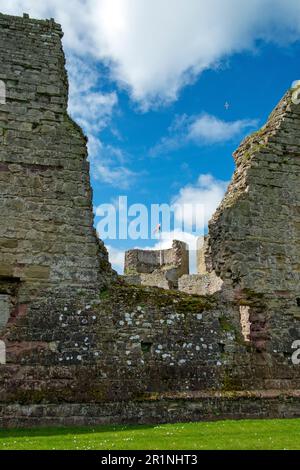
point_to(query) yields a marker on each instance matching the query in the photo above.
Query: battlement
(22, 22)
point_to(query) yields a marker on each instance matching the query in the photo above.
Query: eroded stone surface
(160, 268)
(46, 232)
(80, 353)
(255, 233)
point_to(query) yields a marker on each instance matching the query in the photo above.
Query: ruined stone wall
(202, 260)
(147, 261)
(133, 354)
(160, 268)
(200, 284)
(46, 230)
(137, 355)
(255, 233)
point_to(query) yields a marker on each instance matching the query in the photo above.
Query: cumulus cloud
(93, 110)
(156, 47)
(201, 130)
(201, 198)
(209, 129)
(117, 258)
(118, 176)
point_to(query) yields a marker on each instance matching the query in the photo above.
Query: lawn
(248, 434)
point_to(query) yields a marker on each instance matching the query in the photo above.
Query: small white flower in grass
(79, 358)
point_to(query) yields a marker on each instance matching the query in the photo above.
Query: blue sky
(149, 81)
(251, 82)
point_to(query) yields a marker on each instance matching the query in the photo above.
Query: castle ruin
(158, 268)
(83, 346)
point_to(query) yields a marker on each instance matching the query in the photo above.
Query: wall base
(158, 409)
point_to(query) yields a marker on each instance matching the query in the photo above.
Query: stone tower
(47, 239)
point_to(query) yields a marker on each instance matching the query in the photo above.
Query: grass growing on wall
(248, 434)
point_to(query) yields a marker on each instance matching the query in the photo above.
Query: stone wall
(46, 233)
(85, 348)
(255, 233)
(201, 284)
(155, 279)
(148, 261)
(160, 268)
(157, 408)
(202, 261)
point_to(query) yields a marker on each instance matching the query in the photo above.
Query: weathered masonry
(77, 344)
(46, 233)
(158, 268)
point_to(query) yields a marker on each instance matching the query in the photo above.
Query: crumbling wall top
(147, 261)
(25, 21)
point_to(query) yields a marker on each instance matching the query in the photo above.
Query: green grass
(248, 434)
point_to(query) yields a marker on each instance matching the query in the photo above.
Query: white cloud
(209, 129)
(208, 192)
(117, 258)
(156, 47)
(93, 111)
(90, 108)
(201, 130)
(118, 176)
